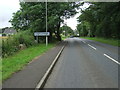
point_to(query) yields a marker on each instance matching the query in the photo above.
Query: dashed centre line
(92, 46)
(112, 59)
(104, 54)
(84, 42)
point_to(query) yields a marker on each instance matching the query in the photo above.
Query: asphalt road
(85, 64)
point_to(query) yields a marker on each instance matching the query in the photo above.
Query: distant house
(9, 31)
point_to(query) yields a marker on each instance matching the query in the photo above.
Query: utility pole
(46, 25)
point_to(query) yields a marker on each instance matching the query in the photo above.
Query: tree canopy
(66, 30)
(32, 16)
(101, 19)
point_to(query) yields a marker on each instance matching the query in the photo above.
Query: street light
(46, 25)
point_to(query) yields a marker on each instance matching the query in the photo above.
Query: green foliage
(83, 29)
(17, 61)
(103, 19)
(26, 38)
(11, 44)
(66, 31)
(56, 13)
(32, 16)
(114, 42)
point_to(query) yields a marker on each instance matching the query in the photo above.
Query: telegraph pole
(46, 25)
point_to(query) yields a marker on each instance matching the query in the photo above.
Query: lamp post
(46, 25)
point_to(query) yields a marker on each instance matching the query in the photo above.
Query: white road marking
(46, 75)
(92, 46)
(84, 42)
(112, 59)
(104, 54)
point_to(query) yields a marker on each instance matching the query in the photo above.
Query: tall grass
(11, 44)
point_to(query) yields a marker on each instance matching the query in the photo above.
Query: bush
(3, 34)
(26, 38)
(11, 44)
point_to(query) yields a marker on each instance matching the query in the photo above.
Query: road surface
(85, 64)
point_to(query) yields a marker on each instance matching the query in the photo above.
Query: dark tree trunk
(50, 38)
(58, 36)
(58, 32)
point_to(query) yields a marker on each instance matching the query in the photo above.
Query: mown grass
(16, 62)
(113, 42)
(63, 38)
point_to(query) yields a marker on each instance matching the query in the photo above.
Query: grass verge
(113, 42)
(63, 38)
(16, 62)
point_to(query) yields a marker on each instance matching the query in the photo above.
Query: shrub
(9, 47)
(26, 38)
(11, 44)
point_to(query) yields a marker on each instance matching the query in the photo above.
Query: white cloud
(7, 8)
(72, 22)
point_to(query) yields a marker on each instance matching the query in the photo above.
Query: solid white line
(39, 85)
(92, 46)
(112, 59)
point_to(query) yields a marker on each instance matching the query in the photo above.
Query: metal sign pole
(46, 25)
(37, 40)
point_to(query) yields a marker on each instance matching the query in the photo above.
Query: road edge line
(48, 72)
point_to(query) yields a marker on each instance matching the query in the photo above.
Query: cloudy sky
(8, 7)
(72, 22)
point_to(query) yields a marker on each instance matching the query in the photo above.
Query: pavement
(86, 64)
(30, 76)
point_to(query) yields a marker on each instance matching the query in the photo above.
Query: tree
(57, 12)
(103, 19)
(32, 16)
(66, 30)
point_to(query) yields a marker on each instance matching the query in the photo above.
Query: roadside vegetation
(114, 42)
(63, 37)
(32, 16)
(17, 61)
(66, 32)
(21, 48)
(12, 44)
(100, 22)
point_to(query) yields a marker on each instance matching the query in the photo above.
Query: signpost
(37, 34)
(41, 33)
